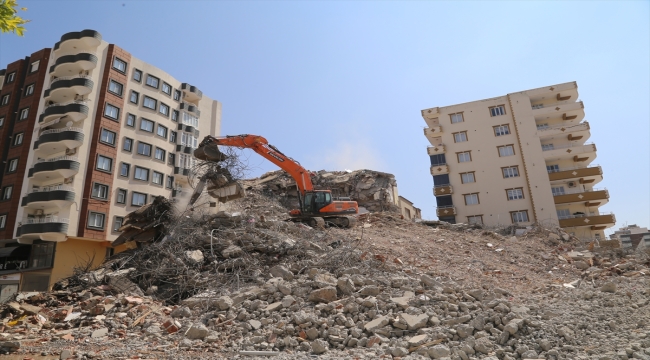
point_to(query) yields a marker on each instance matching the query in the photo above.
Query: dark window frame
(154, 77)
(117, 195)
(101, 132)
(164, 154)
(169, 184)
(130, 116)
(155, 102)
(11, 77)
(90, 213)
(162, 178)
(163, 127)
(147, 144)
(30, 86)
(121, 222)
(135, 171)
(153, 125)
(133, 193)
(15, 136)
(137, 71)
(177, 95)
(130, 149)
(128, 169)
(117, 59)
(117, 118)
(9, 171)
(3, 224)
(92, 190)
(121, 86)
(162, 88)
(137, 97)
(102, 170)
(2, 99)
(20, 114)
(3, 190)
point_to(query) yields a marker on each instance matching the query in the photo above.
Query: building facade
(522, 158)
(89, 133)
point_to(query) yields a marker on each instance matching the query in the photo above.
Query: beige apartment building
(522, 158)
(89, 133)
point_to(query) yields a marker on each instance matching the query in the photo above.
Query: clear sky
(340, 84)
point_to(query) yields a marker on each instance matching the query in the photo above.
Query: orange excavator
(316, 206)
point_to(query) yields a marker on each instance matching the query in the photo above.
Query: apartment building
(522, 158)
(89, 133)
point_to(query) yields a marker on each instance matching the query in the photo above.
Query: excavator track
(342, 221)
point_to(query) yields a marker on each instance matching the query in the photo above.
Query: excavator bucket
(209, 153)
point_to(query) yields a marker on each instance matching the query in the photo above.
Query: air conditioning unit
(572, 184)
(39, 212)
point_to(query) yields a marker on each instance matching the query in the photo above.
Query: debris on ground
(247, 283)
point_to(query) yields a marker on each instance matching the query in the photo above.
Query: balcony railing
(439, 186)
(82, 102)
(564, 146)
(548, 128)
(550, 171)
(45, 220)
(577, 191)
(55, 131)
(69, 78)
(65, 157)
(591, 213)
(52, 188)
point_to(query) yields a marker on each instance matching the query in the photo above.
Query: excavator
(316, 206)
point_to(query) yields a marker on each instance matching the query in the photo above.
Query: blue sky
(340, 85)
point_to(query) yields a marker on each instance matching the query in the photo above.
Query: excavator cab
(316, 200)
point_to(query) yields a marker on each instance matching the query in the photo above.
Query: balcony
(433, 131)
(439, 169)
(435, 150)
(440, 190)
(449, 210)
(594, 197)
(570, 132)
(66, 88)
(69, 65)
(184, 149)
(590, 175)
(181, 171)
(59, 167)
(557, 109)
(85, 40)
(596, 221)
(73, 110)
(188, 128)
(190, 108)
(54, 141)
(191, 93)
(578, 152)
(50, 228)
(56, 195)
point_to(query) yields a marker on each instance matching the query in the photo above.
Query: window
(160, 154)
(189, 140)
(547, 147)
(5, 100)
(501, 130)
(125, 169)
(552, 168)
(161, 131)
(128, 144)
(42, 256)
(144, 149)
(96, 220)
(134, 97)
(177, 95)
(471, 199)
(137, 75)
(3, 221)
(130, 120)
(467, 177)
(29, 90)
(460, 136)
(464, 157)
(515, 194)
(512, 171)
(166, 88)
(157, 178)
(18, 139)
(497, 110)
(475, 219)
(34, 66)
(104, 163)
(506, 150)
(170, 182)
(557, 190)
(149, 103)
(2, 121)
(100, 191)
(117, 224)
(107, 137)
(6, 192)
(11, 77)
(13, 165)
(138, 199)
(141, 174)
(563, 214)
(24, 113)
(146, 125)
(519, 216)
(112, 112)
(164, 109)
(542, 126)
(175, 115)
(119, 65)
(172, 137)
(152, 81)
(115, 87)
(171, 159)
(121, 196)
(456, 118)
(191, 120)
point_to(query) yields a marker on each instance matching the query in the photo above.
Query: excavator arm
(208, 150)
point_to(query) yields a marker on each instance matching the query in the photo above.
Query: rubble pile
(248, 283)
(373, 190)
